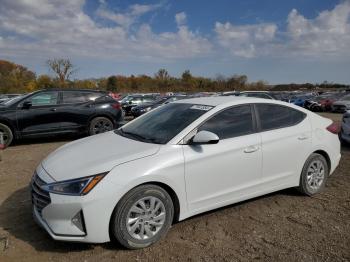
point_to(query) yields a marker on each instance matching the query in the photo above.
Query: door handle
(251, 149)
(303, 137)
(53, 109)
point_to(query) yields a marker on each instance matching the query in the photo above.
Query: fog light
(78, 221)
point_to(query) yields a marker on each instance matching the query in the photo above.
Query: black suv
(55, 111)
(130, 101)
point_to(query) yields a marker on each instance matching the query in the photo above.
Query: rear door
(42, 116)
(286, 143)
(75, 111)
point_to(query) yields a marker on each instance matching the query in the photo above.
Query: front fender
(166, 167)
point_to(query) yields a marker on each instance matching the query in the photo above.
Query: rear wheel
(100, 125)
(314, 175)
(142, 217)
(7, 134)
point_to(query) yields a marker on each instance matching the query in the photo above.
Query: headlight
(148, 109)
(75, 187)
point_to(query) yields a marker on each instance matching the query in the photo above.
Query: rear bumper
(335, 163)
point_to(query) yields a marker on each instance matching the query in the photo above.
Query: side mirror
(204, 137)
(26, 105)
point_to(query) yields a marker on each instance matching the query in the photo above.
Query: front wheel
(314, 175)
(142, 216)
(7, 134)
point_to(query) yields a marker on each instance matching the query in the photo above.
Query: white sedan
(177, 161)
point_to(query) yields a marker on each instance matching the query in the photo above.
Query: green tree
(162, 77)
(44, 81)
(112, 83)
(15, 78)
(186, 76)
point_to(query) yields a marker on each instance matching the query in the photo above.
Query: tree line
(16, 78)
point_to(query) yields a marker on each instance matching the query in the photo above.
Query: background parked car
(6, 97)
(345, 128)
(145, 107)
(322, 102)
(130, 101)
(342, 105)
(258, 94)
(299, 99)
(56, 111)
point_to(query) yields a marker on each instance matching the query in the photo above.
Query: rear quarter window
(72, 97)
(277, 116)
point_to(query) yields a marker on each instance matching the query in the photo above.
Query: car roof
(73, 90)
(221, 100)
(261, 92)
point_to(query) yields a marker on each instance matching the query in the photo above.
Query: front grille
(40, 197)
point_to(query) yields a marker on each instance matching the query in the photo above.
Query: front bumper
(96, 209)
(41, 222)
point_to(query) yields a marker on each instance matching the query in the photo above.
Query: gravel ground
(283, 226)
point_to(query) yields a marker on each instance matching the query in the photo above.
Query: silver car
(342, 105)
(345, 127)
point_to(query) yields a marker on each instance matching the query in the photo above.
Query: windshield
(164, 123)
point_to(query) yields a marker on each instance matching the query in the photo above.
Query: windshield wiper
(138, 137)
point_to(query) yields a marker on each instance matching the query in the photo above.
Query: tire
(100, 125)
(314, 175)
(154, 225)
(8, 135)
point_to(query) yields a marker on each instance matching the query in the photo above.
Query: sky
(272, 40)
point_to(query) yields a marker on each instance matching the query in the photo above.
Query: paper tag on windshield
(201, 107)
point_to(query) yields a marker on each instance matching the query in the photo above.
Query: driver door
(42, 116)
(223, 173)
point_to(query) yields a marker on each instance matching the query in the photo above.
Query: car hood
(94, 155)
(3, 107)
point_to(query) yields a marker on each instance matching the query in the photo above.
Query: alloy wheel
(102, 126)
(315, 174)
(6, 135)
(145, 218)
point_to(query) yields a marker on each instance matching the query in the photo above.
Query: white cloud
(127, 18)
(329, 32)
(247, 40)
(326, 34)
(62, 28)
(180, 18)
(45, 28)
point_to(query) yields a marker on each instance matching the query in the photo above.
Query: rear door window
(74, 97)
(277, 116)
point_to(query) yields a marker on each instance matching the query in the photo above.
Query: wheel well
(326, 156)
(9, 125)
(101, 115)
(173, 196)
(168, 189)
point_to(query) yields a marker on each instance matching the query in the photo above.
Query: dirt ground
(283, 226)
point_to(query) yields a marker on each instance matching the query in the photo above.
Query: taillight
(333, 128)
(116, 106)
